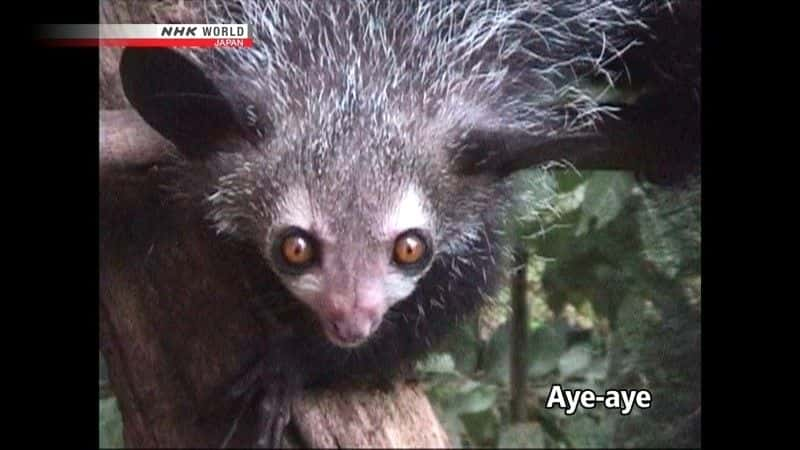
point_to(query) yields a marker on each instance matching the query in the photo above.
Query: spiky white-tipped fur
(403, 74)
(520, 56)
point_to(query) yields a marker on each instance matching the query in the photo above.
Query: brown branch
(128, 144)
(402, 418)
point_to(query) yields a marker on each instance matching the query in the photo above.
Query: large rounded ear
(501, 152)
(177, 99)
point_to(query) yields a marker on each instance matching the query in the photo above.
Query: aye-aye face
(354, 191)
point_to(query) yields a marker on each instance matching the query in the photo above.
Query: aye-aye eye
(410, 248)
(296, 249)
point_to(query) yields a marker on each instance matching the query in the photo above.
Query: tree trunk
(519, 334)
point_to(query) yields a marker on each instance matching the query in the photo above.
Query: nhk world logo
(146, 35)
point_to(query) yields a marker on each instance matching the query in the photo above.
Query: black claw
(265, 391)
(245, 398)
(274, 415)
(250, 379)
(245, 384)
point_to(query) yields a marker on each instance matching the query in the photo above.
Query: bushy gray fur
(357, 99)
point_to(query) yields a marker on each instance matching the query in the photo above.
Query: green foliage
(547, 344)
(522, 435)
(618, 270)
(110, 418)
(606, 195)
(110, 424)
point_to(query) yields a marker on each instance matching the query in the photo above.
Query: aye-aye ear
(178, 100)
(501, 152)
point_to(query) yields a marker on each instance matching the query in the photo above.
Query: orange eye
(297, 250)
(409, 249)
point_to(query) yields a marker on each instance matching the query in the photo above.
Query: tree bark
(401, 418)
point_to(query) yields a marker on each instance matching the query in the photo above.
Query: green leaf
(586, 432)
(474, 397)
(575, 360)
(606, 192)
(546, 345)
(535, 192)
(670, 229)
(558, 239)
(463, 395)
(451, 422)
(463, 344)
(437, 363)
(496, 356)
(522, 435)
(569, 179)
(110, 424)
(482, 427)
(597, 370)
